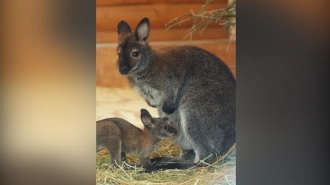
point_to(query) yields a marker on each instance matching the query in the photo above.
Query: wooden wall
(110, 12)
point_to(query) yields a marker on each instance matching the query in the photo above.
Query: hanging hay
(224, 17)
(223, 171)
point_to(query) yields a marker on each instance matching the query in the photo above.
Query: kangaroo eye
(165, 127)
(135, 54)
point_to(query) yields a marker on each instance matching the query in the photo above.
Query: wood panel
(131, 2)
(169, 35)
(108, 17)
(107, 73)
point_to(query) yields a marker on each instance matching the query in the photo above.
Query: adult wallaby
(119, 136)
(191, 86)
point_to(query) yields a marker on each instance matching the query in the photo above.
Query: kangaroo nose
(124, 69)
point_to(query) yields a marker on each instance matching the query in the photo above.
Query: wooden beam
(108, 17)
(162, 35)
(140, 2)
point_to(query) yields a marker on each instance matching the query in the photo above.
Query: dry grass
(223, 17)
(221, 172)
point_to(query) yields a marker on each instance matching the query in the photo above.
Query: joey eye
(135, 54)
(165, 127)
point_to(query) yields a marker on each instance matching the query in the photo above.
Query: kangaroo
(187, 84)
(119, 136)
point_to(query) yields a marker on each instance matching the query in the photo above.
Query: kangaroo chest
(152, 95)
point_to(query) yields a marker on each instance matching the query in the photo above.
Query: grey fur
(191, 86)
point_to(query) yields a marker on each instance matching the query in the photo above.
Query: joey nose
(173, 130)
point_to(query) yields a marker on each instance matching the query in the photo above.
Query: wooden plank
(108, 17)
(107, 73)
(233, 70)
(139, 2)
(162, 35)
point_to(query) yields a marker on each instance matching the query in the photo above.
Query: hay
(224, 17)
(221, 172)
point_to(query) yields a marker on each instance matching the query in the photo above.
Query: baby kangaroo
(118, 136)
(187, 84)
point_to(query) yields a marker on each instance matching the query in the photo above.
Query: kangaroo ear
(123, 27)
(146, 118)
(142, 30)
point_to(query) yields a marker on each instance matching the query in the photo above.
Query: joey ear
(123, 27)
(146, 120)
(142, 30)
(145, 112)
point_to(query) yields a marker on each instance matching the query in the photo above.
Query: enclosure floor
(121, 102)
